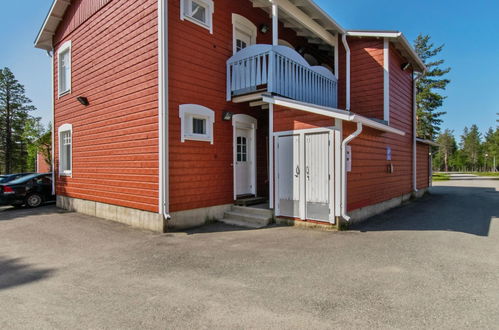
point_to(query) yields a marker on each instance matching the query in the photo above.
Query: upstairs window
(64, 68)
(65, 150)
(196, 123)
(199, 12)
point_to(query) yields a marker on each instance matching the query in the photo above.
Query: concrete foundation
(132, 217)
(367, 212)
(197, 217)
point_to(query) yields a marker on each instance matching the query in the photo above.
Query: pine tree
(471, 146)
(447, 148)
(428, 99)
(14, 111)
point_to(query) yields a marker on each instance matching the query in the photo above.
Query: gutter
(414, 132)
(51, 55)
(164, 204)
(344, 181)
(347, 87)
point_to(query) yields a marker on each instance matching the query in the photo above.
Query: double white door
(304, 176)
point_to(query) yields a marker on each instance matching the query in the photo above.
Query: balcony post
(275, 23)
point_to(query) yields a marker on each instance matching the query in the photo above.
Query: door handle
(297, 171)
(308, 173)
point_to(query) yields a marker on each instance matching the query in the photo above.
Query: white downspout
(344, 182)
(163, 109)
(53, 118)
(275, 23)
(347, 87)
(414, 132)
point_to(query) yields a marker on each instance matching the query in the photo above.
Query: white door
(288, 175)
(242, 39)
(317, 176)
(244, 162)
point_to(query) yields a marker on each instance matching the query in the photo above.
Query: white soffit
(428, 142)
(306, 18)
(54, 17)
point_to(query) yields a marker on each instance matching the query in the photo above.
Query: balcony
(282, 71)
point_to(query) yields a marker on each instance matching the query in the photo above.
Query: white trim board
(330, 112)
(386, 80)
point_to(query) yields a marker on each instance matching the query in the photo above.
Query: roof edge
(396, 35)
(50, 18)
(429, 142)
(330, 112)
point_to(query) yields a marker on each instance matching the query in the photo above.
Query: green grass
(440, 177)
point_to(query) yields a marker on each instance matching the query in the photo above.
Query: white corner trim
(386, 83)
(65, 128)
(67, 46)
(188, 111)
(163, 184)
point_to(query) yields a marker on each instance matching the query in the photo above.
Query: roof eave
(394, 35)
(50, 24)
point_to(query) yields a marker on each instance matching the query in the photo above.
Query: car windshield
(24, 179)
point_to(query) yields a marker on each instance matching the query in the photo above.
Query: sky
(469, 30)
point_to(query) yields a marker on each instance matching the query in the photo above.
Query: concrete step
(250, 201)
(239, 223)
(250, 218)
(253, 210)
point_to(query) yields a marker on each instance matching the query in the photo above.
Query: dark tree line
(21, 134)
(473, 152)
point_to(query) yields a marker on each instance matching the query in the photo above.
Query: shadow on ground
(13, 213)
(461, 209)
(15, 273)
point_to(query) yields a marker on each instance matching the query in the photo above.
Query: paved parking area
(432, 263)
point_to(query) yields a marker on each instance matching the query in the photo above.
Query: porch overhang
(330, 112)
(428, 142)
(49, 27)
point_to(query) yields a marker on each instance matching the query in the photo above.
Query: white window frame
(185, 12)
(64, 129)
(187, 113)
(65, 47)
(243, 24)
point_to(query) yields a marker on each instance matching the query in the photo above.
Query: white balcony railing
(282, 71)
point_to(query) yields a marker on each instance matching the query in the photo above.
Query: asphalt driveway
(432, 263)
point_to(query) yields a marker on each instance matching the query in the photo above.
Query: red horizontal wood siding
(77, 13)
(423, 166)
(115, 138)
(370, 181)
(286, 119)
(367, 76)
(201, 174)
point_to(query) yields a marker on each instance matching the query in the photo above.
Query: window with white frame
(244, 32)
(196, 123)
(199, 12)
(64, 68)
(65, 150)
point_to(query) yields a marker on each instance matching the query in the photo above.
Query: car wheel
(34, 200)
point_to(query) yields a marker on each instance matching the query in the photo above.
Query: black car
(30, 190)
(5, 178)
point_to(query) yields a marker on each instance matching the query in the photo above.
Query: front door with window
(242, 40)
(244, 162)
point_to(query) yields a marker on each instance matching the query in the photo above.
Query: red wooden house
(168, 113)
